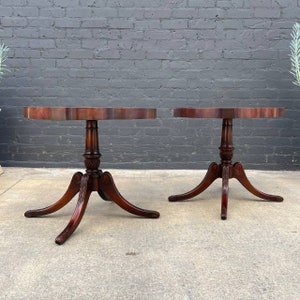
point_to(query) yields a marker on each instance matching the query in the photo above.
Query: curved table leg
(72, 190)
(103, 195)
(212, 174)
(110, 190)
(240, 175)
(225, 190)
(84, 195)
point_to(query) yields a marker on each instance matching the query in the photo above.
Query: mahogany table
(226, 170)
(93, 179)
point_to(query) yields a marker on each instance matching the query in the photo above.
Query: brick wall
(159, 53)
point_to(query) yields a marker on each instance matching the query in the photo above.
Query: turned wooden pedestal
(225, 169)
(93, 179)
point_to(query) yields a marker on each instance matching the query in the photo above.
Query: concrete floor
(186, 254)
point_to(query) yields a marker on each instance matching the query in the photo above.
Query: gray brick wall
(159, 53)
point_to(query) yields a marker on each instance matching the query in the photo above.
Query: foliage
(3, 56)
(295, 53)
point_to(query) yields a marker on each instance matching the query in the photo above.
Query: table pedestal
(225, 170)
(84, 184)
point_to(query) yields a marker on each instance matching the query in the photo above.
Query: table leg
(72, 190)
(240, 175)
(225, 190)
(82, 202)
(103, 195)
(212, 174)
(108, 187)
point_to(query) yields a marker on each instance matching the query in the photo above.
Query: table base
(84, 184)
(225, 170)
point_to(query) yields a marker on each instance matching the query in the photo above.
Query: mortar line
(11, 187)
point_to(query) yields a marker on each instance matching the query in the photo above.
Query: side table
(226, 170)
(93, 179)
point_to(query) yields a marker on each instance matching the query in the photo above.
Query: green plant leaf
(295, 53)
(3, 56)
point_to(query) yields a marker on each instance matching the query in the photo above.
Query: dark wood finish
(226, 170)
(88, 113)
(229, 113)
(93, 179)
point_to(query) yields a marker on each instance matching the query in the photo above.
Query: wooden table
(226, 169)
(93, 179)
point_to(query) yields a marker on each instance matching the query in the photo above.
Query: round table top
(229, 113)
(88, 113)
